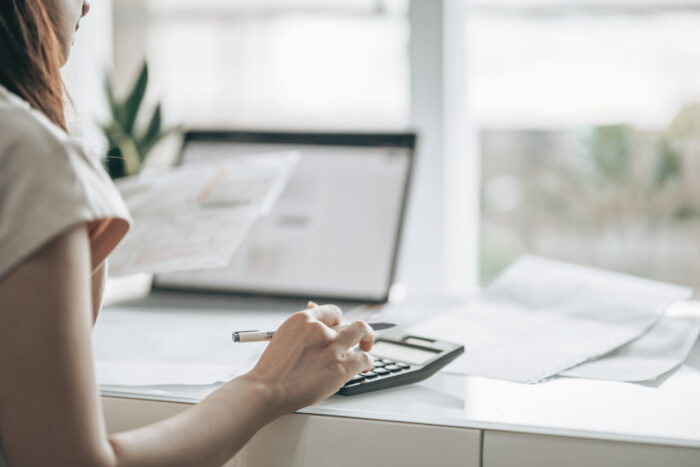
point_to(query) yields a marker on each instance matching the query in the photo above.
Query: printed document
(661, 349)
(194, 216)
(542, 317)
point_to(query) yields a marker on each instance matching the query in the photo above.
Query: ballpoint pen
(260, 336)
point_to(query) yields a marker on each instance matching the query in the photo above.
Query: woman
(60, 217)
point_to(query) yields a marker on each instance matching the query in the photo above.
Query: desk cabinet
(506, 449)
(314, 440)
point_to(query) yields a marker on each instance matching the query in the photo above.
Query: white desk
(457, 420)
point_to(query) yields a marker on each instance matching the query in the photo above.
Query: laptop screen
(335, 230)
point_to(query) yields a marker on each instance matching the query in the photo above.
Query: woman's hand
(309, 357)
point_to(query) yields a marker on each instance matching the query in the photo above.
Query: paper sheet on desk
(542, 317)
(194, 216)
(152, 346)
(665, 346)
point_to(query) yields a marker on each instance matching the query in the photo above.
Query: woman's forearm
(209, 433)
(305, 362)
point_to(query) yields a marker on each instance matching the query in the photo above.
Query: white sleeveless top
(49, 183)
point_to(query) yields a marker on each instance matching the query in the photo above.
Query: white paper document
(151, 346)
(665, 346)
(194, 216)
(542, 317)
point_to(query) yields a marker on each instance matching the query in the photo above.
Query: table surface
(667, 412)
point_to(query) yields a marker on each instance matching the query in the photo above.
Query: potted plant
(129, 145)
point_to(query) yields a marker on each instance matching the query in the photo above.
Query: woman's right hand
(309, 357)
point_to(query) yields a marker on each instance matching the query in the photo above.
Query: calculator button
(370, 374)
(381, 371)
(403, 365)
(392, 368)
(378, 364)
(356, 378)
(386, 361)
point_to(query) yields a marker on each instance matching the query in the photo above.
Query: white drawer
(313, 440)
(507, 449)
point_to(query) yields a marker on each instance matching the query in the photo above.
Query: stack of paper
(661, 349)
(542, 317)
(195, 216)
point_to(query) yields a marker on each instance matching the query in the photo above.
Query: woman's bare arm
(97, 289)
(50, 412)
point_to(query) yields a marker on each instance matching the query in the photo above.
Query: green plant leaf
(134, 100)
(108, 132)
(152, 134)
(114, 164)
(132, 144)
(162, 135)
(109, 92)
(686, 212)
(130, 153)
(115, 107)
(612, 149)
(669, 165)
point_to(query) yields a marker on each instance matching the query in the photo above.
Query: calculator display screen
(402, 353)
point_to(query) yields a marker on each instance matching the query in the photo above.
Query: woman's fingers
(330, 315)
(354, 333)
(357, 362)
(308, 359)
(348, 335)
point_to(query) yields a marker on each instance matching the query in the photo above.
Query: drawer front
(507, 449)
(304, 440)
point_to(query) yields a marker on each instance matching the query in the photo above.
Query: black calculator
(406, 360)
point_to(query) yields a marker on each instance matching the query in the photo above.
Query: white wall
(84, 73)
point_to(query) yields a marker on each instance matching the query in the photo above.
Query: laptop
(333, 236)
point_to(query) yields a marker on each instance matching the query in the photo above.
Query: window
(585, 109)
(273, 63)
(590, 133)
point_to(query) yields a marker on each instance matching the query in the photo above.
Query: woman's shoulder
(26, 135)
(31, 143)
(49, 181)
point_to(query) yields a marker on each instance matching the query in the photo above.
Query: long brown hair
(31, 57)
